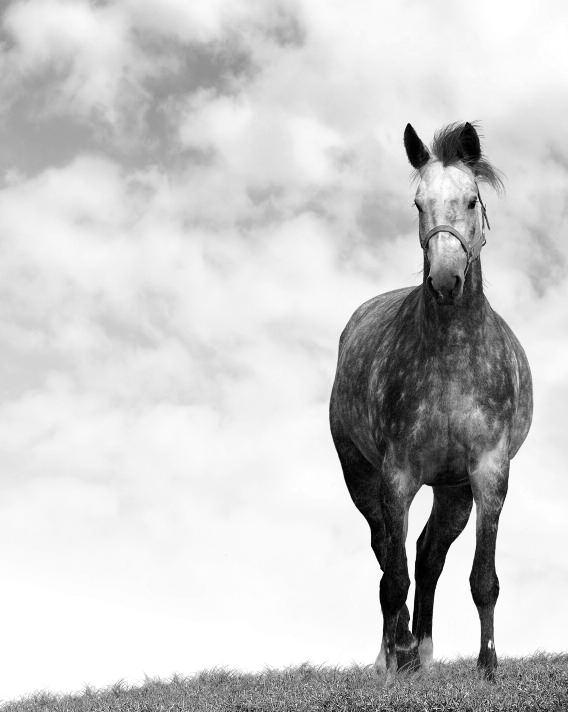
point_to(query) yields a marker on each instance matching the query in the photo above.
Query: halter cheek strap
(472, 250)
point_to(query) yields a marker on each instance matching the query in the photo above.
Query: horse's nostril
(457, 286)
(431, 287)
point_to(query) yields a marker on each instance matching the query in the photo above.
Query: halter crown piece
(472, 250)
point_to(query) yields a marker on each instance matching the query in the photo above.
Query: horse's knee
(394, 590)
(484, 588)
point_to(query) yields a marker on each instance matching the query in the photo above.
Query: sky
(194, 198)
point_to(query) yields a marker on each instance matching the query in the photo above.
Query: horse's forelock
(446, 147)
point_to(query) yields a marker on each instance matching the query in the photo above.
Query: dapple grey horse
(433, 388)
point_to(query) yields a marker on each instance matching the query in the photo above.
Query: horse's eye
(472, 203)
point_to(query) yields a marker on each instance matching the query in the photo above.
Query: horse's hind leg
(450, 512)
(362, 480)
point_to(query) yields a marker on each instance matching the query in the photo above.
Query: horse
(433, 388)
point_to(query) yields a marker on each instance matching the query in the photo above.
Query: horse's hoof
(426, 653)
(487, 673)
(487, 663)
(407, 659)
(381, 662)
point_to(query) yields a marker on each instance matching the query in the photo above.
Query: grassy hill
(524, 684)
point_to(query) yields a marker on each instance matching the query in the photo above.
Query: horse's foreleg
(406, 652)
(450, 512)
(489, 489)
(395, 580)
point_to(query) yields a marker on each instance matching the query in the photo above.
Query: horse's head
(451, 215)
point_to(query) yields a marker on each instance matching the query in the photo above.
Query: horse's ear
(470, 148)
(415, 150)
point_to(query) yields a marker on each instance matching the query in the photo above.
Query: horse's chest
(446, 414)
(440, 415)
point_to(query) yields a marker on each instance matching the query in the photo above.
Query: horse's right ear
(415, 150)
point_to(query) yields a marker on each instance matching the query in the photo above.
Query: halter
(472, 250)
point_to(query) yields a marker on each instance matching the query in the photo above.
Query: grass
(524, 684)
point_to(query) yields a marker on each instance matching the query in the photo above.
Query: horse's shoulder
(509, 338)
(376, 310)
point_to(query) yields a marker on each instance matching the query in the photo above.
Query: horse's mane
(446, 147)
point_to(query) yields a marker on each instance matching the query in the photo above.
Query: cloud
(118, 67)
(80, 47)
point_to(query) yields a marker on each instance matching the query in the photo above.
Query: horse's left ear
(415, 150)
(470, 148)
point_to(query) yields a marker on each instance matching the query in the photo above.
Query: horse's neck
(452, 325)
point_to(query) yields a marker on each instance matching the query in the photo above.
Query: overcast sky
(194, 197)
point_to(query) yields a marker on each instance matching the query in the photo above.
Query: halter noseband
(472, 250)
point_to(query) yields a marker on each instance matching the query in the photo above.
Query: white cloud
(201, 22)
(87, 46)
(95, 60)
